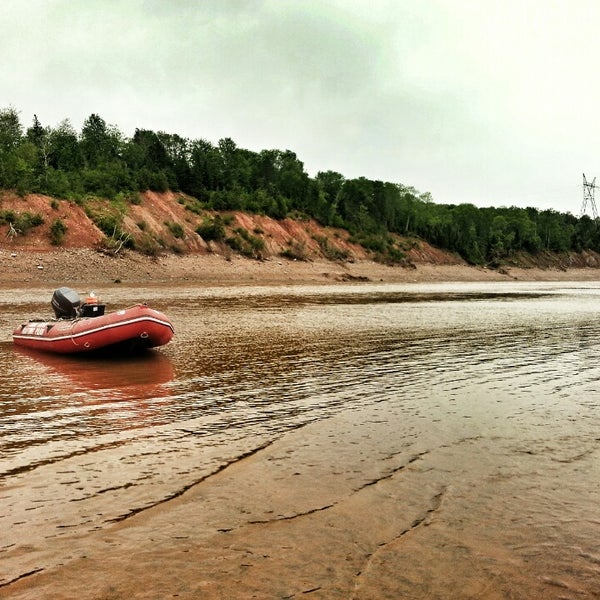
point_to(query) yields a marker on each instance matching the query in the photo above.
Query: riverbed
(331, 441)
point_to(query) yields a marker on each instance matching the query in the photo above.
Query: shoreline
(29, 268)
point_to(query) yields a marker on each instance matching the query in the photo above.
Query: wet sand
(286, 522)
(279, 523)
(294, 519)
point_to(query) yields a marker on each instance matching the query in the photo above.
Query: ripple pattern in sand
(83, 444)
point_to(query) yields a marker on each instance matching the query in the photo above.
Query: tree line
(100, 161)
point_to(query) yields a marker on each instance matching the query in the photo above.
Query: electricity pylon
(588, 197)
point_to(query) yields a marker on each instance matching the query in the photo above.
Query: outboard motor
(65, 303)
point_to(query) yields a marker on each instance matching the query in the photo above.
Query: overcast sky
(489, 102)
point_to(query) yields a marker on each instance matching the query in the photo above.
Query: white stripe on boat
(72, 336)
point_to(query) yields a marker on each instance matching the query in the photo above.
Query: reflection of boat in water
(139, 374)
(92, 394)
(83, 328)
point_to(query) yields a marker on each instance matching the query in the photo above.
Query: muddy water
(449, 433)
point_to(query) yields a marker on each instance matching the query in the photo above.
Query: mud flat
(85, 266)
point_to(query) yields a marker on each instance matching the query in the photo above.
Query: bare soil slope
(163, 222)
(163, 228)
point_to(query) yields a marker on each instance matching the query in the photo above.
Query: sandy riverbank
(86, 267)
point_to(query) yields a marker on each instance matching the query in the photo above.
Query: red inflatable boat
(84, 327)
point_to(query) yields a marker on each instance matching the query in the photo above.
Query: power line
(588, 197)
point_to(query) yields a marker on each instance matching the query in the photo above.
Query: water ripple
(511, 367)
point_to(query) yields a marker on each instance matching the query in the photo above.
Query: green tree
(232, 171)
(330, 185)
(206, 169)
(292, 181)
(39, 137)
(11, 131)
(64, 149)
(179, 154)
(100, 143)
(11, 134)
(149, 162)
(501, 239)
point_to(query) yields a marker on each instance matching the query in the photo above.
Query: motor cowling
(65, 303)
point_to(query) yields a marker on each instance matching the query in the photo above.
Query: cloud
(484, 102)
